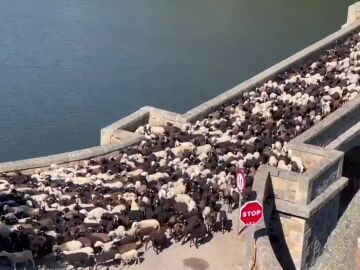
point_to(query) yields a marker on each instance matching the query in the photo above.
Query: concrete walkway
(223, 251)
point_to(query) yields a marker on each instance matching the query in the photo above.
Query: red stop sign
(251, 213)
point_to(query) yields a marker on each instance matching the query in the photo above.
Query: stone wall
(340, 249)
(303, 200)
(339, 252)
(146, 115)
(265, 257)
(332, 126)
(301, 233)
(129, 123)
(161, 117)
(29, 165)
(285, 188)
(353, 14)
(324, 180)
(308, 53)
(317, 231)
(347, 140)
(323, 167)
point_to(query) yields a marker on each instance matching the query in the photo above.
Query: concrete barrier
(265, 257)
(306, 54)
(333, 125)
(342, 245)
(27, 165)
(353, 14)
(299, 215)
(129, 123)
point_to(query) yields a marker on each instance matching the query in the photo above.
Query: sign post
(241, 187)
(250, 215)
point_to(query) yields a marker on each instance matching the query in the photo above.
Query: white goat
(87, 250)
(129, 256)
(147, 223)
(70, 245)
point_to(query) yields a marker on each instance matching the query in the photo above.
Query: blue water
(70, 67)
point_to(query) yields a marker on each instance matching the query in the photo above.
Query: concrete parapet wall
(317, 231)
(332, 126)
(160, 117)
(284, 188)
(306, 211)
(65, 158)
(340, 249)
(270, 73)
(323, 167)
(353, 14)
(346, 140)
(264, 254)
(146, 115)
(304, 200)
(303, 231)
(293, 229)
(128, 123)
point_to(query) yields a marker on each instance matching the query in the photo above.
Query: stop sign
(251, 213)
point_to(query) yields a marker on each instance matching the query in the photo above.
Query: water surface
(70, 67)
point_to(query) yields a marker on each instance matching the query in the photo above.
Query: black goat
(198, 235)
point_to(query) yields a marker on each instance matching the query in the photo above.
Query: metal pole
(250, 230)
(238, 219)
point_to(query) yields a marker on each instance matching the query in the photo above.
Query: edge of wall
(328, 121)
(128, 123)
(264, 254)
(268, 74)
(353, 13)
(65, 158)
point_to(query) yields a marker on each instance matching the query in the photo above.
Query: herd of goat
(172, 186)
(86, 223)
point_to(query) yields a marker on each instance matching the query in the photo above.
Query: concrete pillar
(294, 229)
(305, 201)
(159, 117)
(353, 13)
(105, 136)
(146, 115)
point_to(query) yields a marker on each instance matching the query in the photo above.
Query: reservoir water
(70, 67)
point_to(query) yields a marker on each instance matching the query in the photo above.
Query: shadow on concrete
(276, 236)
(196, 263)
(278, 243)
(167, 245)
(350, 170)
(275, 232)
(206, 239)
